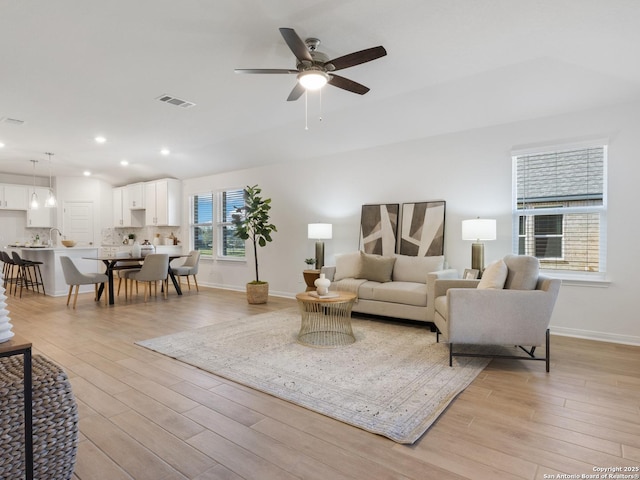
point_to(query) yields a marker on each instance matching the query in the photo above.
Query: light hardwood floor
(145, 416)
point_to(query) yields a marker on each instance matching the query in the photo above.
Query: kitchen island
(52, 275)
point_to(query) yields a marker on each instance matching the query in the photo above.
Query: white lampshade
(313, 80)
(319, 231)
(479, 229)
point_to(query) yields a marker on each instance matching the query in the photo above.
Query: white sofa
(397, 286)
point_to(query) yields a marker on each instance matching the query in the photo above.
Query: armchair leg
(450, 354)
(547, 345)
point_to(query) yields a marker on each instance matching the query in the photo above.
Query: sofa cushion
(366, 291)
(415, 269)
(408, 293)
(494, 276)
(523, 272)
(376, 267)
(441, 306)
(347, 265)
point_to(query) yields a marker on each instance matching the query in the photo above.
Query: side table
(310, 276)
(326, 322)
(19, 346)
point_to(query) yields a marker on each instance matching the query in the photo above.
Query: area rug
(394, 381)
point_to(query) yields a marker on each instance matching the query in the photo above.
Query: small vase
(136, 250)
(322, 284)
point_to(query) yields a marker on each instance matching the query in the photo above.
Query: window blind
(560, 208)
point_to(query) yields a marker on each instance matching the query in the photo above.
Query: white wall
(471, 171)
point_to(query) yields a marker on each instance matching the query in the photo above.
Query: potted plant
(310, 262)
(251, 222)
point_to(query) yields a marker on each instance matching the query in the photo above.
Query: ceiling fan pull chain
(320, 115)
(306, 111)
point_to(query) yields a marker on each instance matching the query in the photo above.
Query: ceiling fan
(314, 69)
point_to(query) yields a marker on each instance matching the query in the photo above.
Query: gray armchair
(518, 314)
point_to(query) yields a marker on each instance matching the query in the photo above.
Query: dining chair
(189, 267)
(132, 266)
(155, 267)
(74, 277)
(8, 271)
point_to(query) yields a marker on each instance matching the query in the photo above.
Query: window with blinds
(560, 208)
(203, 222)
(228, 245)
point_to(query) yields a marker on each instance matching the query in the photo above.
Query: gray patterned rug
(394, 380)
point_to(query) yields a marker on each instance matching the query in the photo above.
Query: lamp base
(477, 257)
(319, 254)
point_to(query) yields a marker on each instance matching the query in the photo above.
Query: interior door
(77, 222)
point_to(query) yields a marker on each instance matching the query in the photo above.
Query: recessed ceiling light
(100, 139)
(124, 162)
(1, 145)
(165, 151)
(86, 173)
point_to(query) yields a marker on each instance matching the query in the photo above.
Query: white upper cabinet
(136, 194)
(41, 216)
(123, 216)
(162, 202)
(14, 197)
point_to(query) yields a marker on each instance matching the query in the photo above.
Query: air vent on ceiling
(11, 121)
(175, 101)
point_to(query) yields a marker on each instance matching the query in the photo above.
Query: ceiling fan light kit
(314, 69)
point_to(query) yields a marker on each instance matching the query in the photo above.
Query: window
(560, 207)
(229, 246)
(203, 222)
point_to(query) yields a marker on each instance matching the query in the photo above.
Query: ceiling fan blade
(346, 84)
(296, 93)
(264, 70)
(356, 58)
(296, 44)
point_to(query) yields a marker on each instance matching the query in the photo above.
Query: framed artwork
(422, 229)
(378, 228)
(470, 274)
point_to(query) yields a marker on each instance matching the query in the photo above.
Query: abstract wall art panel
(378, 228)
(422, 229)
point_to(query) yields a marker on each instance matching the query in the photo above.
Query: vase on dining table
(136, 250)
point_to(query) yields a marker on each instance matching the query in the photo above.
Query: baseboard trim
(597, 336)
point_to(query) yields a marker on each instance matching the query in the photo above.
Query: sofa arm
(431, 281)
(441, 286)
(329, 272)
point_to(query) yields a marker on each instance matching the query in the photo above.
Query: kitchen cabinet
(123, 216)
(13, 197)
(162, 202)
(135, 196)
(41, 216)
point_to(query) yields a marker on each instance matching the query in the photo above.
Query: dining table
(111, 264)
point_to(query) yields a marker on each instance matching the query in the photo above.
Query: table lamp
(478, 229)
(319, 232)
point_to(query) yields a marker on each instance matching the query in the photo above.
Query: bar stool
(8, 271)
(29, 273)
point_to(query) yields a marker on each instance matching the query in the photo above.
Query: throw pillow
(376, 267)
(415, 269)
(523, 272)
(494, 276)
(347, 266)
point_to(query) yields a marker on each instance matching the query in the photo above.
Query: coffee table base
(325, 322)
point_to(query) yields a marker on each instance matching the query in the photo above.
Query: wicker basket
(55, 420)
(257, 293)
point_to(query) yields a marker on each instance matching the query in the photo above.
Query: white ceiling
(73, 69)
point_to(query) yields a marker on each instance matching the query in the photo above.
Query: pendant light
(50, 202)
(34, 196)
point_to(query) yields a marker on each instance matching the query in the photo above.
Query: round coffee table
(326, 322)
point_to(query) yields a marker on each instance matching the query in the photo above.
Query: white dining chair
(189, 267)
(74, 278)
(154, 268)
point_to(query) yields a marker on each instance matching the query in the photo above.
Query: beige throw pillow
(376, 267)
(494, 276)
(523, 272)
(347, 266)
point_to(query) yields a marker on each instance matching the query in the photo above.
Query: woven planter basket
(257, 293)
(55, 420)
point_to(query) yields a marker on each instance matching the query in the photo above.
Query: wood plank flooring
(145, 416)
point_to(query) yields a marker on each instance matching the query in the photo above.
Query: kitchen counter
(51, 268)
